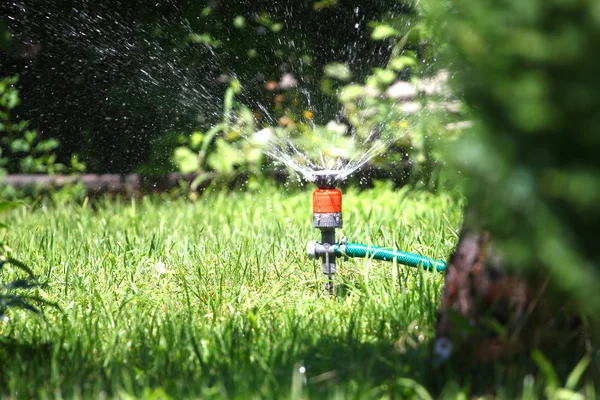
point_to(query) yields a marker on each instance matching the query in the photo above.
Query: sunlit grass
(217, 298)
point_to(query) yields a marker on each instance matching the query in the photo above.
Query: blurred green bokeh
(529, 70)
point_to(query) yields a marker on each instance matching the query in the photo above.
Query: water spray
(327, 217)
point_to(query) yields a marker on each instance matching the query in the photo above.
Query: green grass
(216, 298)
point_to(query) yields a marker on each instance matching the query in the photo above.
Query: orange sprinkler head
(327, 208)
(327, 201)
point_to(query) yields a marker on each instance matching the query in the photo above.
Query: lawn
(215, 297)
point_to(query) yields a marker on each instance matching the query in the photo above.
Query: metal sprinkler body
(327, 217)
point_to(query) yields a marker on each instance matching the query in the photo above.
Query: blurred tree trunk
(490, 313)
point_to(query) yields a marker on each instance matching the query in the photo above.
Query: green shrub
(410, 109)
(529, 71)
(222, 153)
(21, 150)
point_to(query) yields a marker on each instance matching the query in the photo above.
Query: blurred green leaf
(5, 36)
(399, 63)
(9, 205)
(338, 71)
(19, 146)
(204, 38)
(30, 136)
(577, 373)
(566, 394)
(47, 145)
(276, 27)
(27, 164)
(225, 158)
(415, 387)
(547, 368)
(186, 160)
(206, 11)
(351, 92)
(384, 76)
(19, 151)
(494, 325)
(10, 99)
(383, 32)
(319, 5)
(228, 102)
(239, 22)
(208, 138)
(76, 164)
(196, 140)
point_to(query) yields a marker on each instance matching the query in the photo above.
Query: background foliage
(20, 148)
(116, 81)
(528, 69)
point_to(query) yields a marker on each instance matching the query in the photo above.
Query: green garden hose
(383, 254)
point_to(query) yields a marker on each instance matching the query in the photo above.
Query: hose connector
(325, 251)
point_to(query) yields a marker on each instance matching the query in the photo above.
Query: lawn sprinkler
(327, 217)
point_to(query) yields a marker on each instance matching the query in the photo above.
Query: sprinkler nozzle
(327, 178)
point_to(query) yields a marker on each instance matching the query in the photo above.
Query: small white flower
(336, 128)
(336, 152)
(161, 268)
(401, 90)
(263, 136)
(288, 81)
